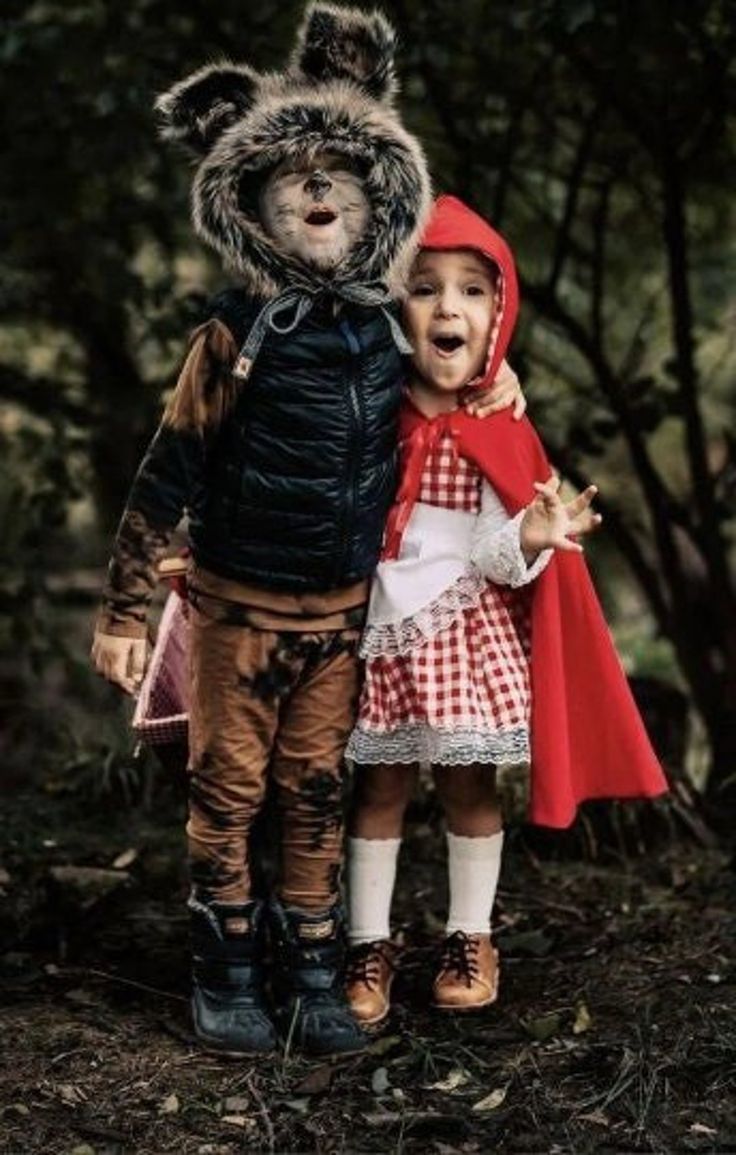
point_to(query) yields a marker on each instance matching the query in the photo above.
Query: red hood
(452, 225)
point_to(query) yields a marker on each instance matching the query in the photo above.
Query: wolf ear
(198, 109)
(335, 43)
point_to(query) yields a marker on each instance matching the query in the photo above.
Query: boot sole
(213, 1048)
(211, 1045)
(466, 1009)
(492, 998)
(371, 1025)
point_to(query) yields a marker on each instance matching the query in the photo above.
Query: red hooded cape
(587, 737)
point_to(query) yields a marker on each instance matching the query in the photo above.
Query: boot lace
(365, 961)
(460, 956)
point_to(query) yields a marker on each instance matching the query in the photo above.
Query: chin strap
(295, 304)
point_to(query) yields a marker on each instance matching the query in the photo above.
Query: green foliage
(36, 488)
(599, 136)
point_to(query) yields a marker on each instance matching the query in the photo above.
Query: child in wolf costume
(279, 442)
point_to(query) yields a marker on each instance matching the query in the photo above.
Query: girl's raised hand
(550, 523)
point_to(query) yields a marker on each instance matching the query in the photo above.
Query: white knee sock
(473, 865)
(371, 877)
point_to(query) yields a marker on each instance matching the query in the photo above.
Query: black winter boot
(307, 987)
(228, 1008)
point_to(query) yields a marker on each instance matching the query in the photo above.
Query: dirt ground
(615, 1030)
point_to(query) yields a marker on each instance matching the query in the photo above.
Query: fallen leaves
(127, 858)
(597, 1117)
(16, 1109)
(544, 1027)
(242, 1121)
(235, 1105)
(380, 1081)
(455, 1079)
(317, 1081)
(583, 1019)
(71, 1095)
(492, 1101)
(383, 1045)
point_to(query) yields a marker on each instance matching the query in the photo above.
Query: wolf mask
(328, 117)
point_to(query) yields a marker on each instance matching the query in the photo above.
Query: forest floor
(615, 1030)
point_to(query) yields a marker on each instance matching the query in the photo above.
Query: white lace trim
(417, 742)
(411, 632)
(497, 552)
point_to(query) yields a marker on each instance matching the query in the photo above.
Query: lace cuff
(498, 554)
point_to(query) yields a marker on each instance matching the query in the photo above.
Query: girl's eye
(422, 290)
(475, 291)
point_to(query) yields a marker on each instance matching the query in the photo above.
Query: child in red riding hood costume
(485, 640)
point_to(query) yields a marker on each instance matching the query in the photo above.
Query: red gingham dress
(462, 694)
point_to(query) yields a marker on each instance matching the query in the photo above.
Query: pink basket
(161, 711)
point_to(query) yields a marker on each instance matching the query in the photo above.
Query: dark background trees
(598, 137)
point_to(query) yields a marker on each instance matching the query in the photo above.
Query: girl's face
(448, 316)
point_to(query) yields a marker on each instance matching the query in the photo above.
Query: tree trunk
(124, 408)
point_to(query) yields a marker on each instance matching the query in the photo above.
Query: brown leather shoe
(468, 977)
(369, 975)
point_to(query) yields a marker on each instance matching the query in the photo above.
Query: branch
(447, 111)
(545, 217)
(574, 183)
(631, 360)
(512, 139)
(660, 500)
(675, 237)
(600, 224)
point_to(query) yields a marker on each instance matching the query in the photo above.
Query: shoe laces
(365, 961)
(460, 955)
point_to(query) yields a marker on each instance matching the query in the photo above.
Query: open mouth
(447, 344)
(321, 217)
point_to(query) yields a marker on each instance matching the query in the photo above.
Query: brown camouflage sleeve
(169, 476)
(131, 576)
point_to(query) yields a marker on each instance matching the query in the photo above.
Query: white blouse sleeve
(496, 545)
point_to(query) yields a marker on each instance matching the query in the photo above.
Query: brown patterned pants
(268, 704)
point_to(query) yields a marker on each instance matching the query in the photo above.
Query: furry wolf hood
(336, 94)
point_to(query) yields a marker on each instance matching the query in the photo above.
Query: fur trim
(198, 109)
(335, 96)
(336, 118)
(346, 44)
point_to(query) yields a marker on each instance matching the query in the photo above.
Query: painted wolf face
(316, 208)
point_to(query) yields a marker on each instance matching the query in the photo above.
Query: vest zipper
(354, 448)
